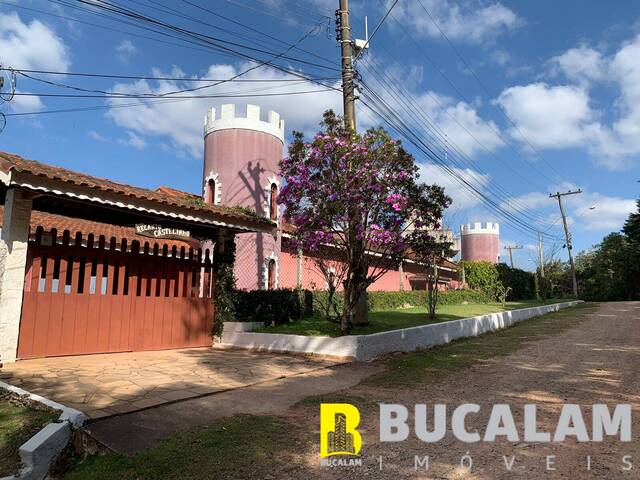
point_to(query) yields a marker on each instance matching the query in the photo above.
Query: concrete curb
(40, 451)
(368, 347)
(229, 327)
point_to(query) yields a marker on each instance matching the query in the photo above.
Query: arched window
(211, 191)
(273, 202)
(271, 274)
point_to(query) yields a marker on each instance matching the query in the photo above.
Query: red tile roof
(10, 162)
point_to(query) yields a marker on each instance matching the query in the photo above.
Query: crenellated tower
(241, 156)
(480, 242)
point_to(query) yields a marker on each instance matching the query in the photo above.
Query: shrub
(278, 306)
(482, 276)
(493, 279)
(521, 282)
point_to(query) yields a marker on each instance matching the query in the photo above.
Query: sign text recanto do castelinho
(158, 231)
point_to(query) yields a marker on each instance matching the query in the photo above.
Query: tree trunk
(432, 286)
(361, 311)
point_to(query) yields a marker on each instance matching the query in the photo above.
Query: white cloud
(462, 198)
(609, 213)
(526, 202)
(23, 103)
(588, 210)
(581, 64)
(469, 22)
(465, 129)
(31, 46)
(625, 68)
(125, 50)
(97, 136)
(133, 140)
(181, 121)
(500, 57)
(549, 116)
(563, 117)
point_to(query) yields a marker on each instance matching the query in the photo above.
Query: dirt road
(595, 361)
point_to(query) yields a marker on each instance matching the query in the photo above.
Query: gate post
(14, 239)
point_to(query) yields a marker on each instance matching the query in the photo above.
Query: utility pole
(511, 248)
(540, 254)
(348, 87)
(567, 235)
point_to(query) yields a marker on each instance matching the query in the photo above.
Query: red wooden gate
(82, 297)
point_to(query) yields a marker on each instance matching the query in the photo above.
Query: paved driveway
(105, 385)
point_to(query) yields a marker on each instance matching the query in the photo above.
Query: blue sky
(551, 100)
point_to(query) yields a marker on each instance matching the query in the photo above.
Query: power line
(170, 94)
(461, 95)
(391, 118)
(255, 30)
(406, 98)
(184, 97)
(484, 87)
(156, 78)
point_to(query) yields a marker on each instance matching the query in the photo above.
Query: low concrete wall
(367, 347)
(40, 451)
(346, 346)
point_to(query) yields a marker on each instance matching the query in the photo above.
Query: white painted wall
(14, 238)
(368, 347)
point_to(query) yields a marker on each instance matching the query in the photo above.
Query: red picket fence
(84, 297)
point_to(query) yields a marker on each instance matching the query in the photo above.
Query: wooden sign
(158, 231)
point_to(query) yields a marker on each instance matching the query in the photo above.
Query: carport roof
(18, 171)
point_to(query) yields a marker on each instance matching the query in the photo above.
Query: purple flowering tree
(359, 194)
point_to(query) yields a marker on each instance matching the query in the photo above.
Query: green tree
(482, 276)
(603, 271)
(631, 230)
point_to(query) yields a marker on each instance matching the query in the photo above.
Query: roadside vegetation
(394, 319)
(18, 423)
(240, 447)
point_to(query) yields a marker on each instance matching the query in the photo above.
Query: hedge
(278, 306)
(522, 283)
(383, 300)
(486, 277)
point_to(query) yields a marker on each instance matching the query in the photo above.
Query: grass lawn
(240, 447)
(18, 423)
(383, 321)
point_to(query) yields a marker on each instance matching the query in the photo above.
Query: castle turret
(241, 156)
(480, 242)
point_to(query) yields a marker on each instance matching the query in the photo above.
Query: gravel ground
(596, 361)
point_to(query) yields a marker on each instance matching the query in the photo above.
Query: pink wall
(244, 160)
(313, 279)
(476, 247)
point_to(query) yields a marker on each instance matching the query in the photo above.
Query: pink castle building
(480, 242)
(241, 156)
